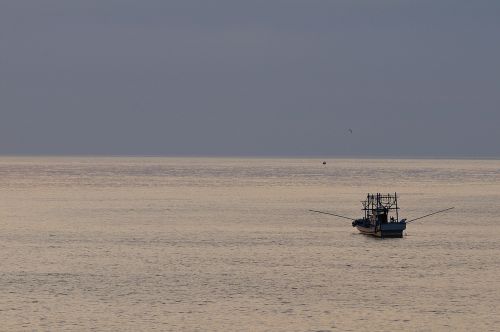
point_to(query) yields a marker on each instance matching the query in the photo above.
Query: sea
(229, 244)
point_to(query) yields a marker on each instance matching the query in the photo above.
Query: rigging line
(332, 214)
(430, 214)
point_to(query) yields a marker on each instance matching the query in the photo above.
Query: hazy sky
(210, 77)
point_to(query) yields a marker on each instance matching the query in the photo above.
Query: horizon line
(247, 156)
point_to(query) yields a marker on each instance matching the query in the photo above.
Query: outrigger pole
(336, 215)
(430, 214)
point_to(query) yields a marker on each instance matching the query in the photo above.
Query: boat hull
(394, 230)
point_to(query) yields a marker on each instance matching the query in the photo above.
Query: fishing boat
(381, 216)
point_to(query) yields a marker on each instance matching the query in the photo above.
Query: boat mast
(396, 202)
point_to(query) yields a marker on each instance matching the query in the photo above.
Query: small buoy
(324, 163)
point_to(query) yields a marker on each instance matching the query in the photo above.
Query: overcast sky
(269, 78)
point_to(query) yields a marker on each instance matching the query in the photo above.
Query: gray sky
(156, 77)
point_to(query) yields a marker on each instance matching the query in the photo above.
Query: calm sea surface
(200, 244)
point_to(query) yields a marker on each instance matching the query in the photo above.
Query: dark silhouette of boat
(381, 216)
